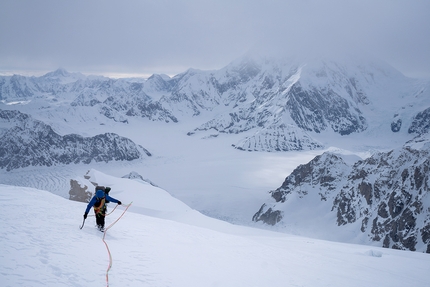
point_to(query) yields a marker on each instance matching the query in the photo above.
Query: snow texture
(160, 241)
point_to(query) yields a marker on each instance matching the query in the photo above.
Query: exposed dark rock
(420, 123)
(396, 126)
(382, 210)
(364, 223)
(344, 205)
(366, 189)
(78, 192)
(270, 217)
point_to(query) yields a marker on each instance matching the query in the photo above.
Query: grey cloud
(162, 36)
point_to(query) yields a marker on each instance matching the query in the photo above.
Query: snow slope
(160, 241)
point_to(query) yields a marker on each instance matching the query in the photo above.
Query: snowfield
(160, 241)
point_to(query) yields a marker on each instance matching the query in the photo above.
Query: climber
(99, 201)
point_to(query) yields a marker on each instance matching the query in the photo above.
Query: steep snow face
(329, 95)
(318, 110)
(384, 198)
(318, 96)
(162, 242)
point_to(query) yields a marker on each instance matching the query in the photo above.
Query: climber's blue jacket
(100, 196)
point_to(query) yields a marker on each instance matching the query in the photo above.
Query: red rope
(114, 209)
(107, 247)
(109, 212)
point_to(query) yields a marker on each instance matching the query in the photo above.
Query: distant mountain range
(269, 105)
(277, 104)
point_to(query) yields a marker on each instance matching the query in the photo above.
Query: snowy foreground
(160, 241)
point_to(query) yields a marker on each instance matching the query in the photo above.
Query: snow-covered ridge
(162, 242)
(29, 142)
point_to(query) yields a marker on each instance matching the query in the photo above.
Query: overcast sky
(169, 36)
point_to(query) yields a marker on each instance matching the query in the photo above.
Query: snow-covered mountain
(160, 241)
(28, 142)
(384, 198)
(276, 104)
(286, 104)
(253, 104)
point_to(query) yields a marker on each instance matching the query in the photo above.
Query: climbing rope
(114, 209)
(104, 235)
(107, 213)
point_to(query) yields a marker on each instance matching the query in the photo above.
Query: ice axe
(83, 222)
